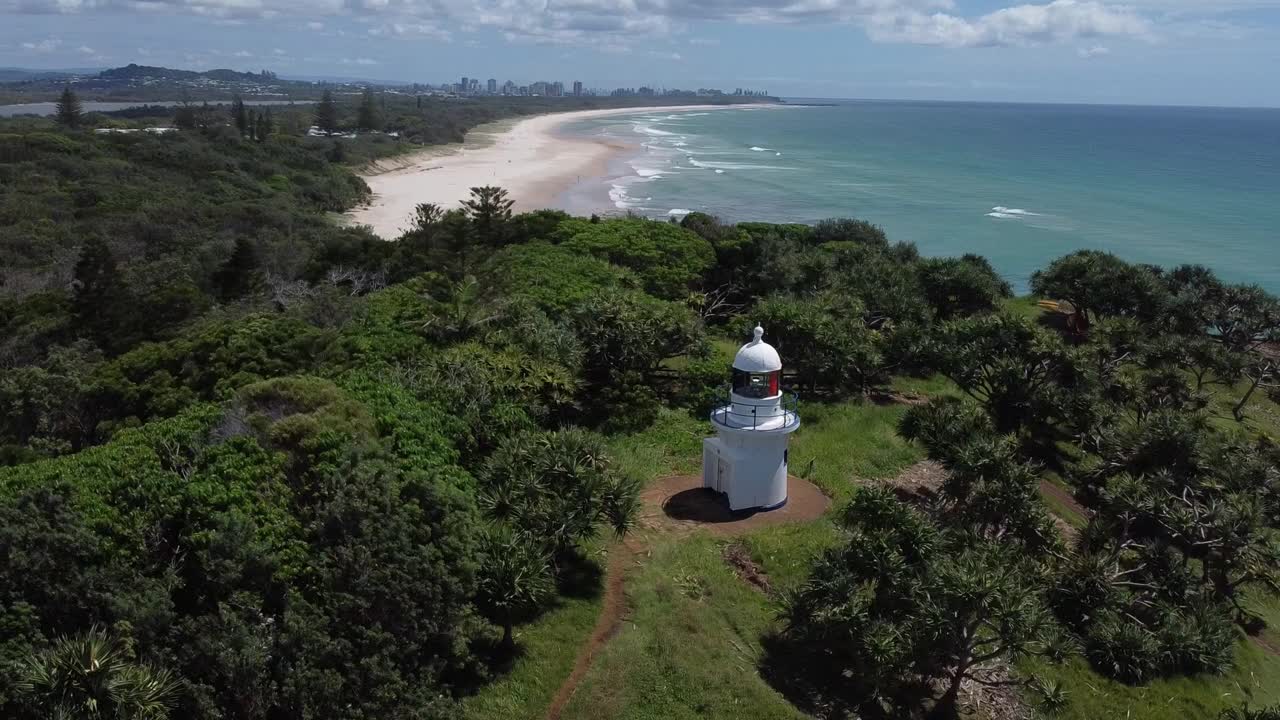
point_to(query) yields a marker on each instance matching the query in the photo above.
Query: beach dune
(529, 159)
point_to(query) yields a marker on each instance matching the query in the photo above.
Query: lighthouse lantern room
(747, 460)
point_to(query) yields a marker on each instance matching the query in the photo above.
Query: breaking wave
(1006, 213)
(651, 130)
(733, 166)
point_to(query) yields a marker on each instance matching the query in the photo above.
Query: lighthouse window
(755, 385)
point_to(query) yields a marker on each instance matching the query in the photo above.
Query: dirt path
(612, 611)
(1057, 492)
(1269, 642)
(676, 504)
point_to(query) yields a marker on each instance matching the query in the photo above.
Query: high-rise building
(577, 88)
(557, 89)
(464, 86)
(493, 86)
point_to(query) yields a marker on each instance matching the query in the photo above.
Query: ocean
(1020, 184)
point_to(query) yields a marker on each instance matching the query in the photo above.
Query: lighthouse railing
(724, 413)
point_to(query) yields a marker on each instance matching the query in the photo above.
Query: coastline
(534, 163)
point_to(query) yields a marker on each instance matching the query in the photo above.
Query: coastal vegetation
(255, 464)
(373, 122)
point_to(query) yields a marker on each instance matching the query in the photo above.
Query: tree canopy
(261, 465)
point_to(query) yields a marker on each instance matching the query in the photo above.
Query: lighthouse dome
(757, 356)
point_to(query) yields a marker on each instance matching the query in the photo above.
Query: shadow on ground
(702, 505)
(579, 576)
(817, 684)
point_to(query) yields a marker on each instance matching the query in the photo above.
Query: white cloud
(359, 61)
(1203, 7)
(606, 24)
(243, 54)
(1093, 51)
(278, 51)
(412, 29)
(1058, 21)
(86, 50)
(43, 46)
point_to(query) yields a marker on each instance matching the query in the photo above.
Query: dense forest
(255, 464)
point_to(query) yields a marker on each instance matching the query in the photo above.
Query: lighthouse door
(722, 475)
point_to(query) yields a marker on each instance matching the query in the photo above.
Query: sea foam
(733, 166)
(1002, 211)
(650, 130)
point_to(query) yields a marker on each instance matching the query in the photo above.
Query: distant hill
(345, 80)
(133, 71)
(14, 74)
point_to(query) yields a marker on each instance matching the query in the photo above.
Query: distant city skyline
(1184, 52)
(467, 85)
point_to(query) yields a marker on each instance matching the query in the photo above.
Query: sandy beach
(527, 158)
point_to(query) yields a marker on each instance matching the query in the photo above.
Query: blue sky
(1199, 52)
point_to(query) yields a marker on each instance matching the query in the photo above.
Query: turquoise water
(1020, 184)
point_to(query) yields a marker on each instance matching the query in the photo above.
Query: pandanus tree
(558, 487)
(1175, 482)
(515, 578)
(1013, 368)
(1245, 320)
(989, 488)
(92, 676)
(545, 493)
(904, 609)
(1099, 284)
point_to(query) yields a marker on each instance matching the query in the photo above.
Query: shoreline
(528, 158)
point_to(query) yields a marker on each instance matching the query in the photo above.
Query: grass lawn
(1255, 678)
(1261, 414)
(690, 645)
(549, 646)
(839, 442)
(1026, 306)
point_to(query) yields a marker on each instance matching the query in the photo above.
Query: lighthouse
(747, 460)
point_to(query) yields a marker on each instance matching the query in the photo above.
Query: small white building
(747, 460)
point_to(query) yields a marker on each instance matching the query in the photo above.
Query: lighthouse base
(750, 470)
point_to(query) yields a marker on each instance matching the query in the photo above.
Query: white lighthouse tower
(747, 461)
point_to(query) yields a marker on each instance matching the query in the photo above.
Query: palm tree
(462, 312)
(92, 677)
